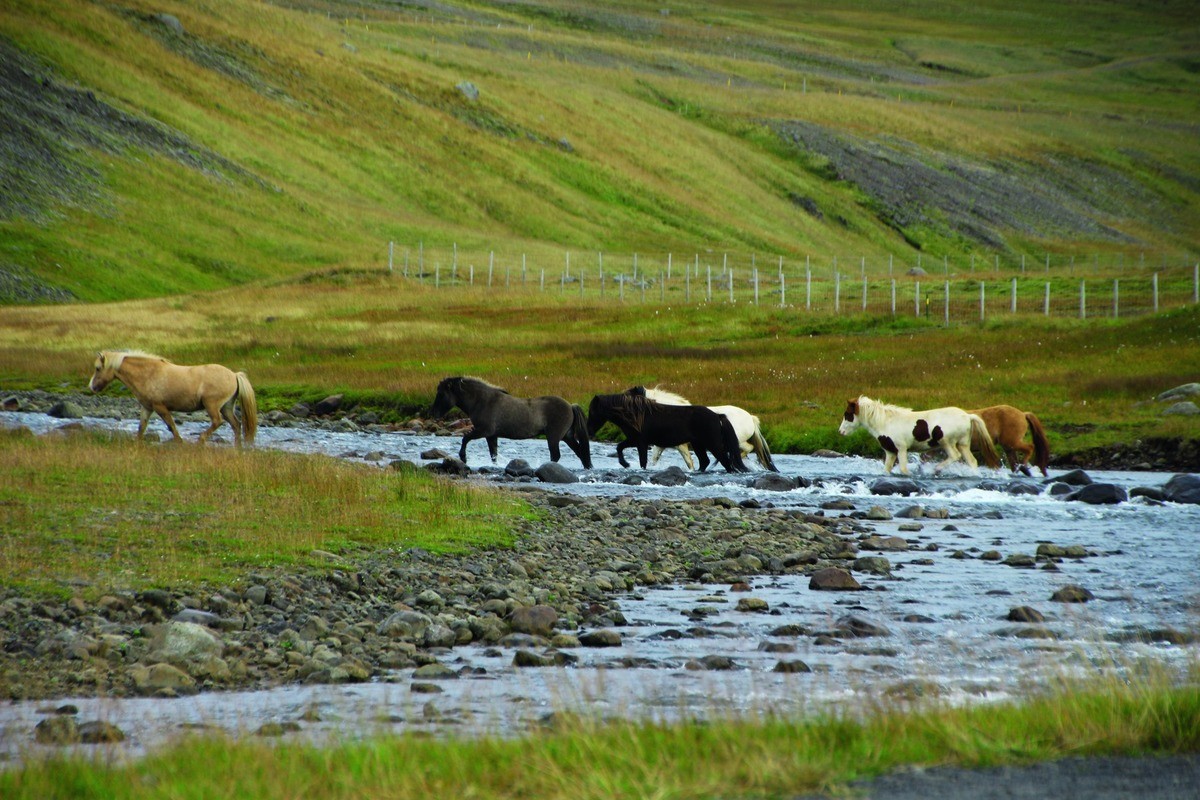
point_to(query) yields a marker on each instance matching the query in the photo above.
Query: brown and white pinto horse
(901, 430)
(1007, 426)
(162, 387)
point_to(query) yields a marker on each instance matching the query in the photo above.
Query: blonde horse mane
(873, 409)
(114, 358)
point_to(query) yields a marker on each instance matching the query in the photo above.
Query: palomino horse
(1007, 427)
(495, 413)
(745, 425)
(645, 423)
(162, 387)
(899, 430)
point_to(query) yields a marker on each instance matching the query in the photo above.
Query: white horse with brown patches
(900, 431)
(162, 387)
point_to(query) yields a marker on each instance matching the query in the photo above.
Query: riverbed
(935, 627)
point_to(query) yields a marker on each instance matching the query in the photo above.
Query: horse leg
(227, 413)
(899, 457)
(967, 456)
(701, 457)
(656, 455)
(469, 436)
(215, 420)
(165, 413)
(143, 421)
(643, 453)
(621, 453)
(493, 443)
(686, 452)
(555, 450)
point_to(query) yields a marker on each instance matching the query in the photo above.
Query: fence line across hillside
(1087, 288)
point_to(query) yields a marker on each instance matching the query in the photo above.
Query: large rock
(893, 486)
(65, 409)
(518, 468)
(858, 628)
(1099, 494)
(833, 579)
(671, 476)
(161, 678)
(328, 405)
(1180, 392)
(407, 625)
(1184, 408)
(536, 620)
(100, 732)
(1072, 594)
(56, 730)
(552, 472)
(1075, 477)
(185, 644)
(774, 482)
(606, 637)
(1183, 488)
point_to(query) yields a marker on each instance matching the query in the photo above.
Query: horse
(495, 413)
(899, 430)
(162, 387)
(745, 425)
(1007, 426)
(645, 422)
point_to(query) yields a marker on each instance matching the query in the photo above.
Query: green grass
(327, 129)
(767, 757)
(88, 515)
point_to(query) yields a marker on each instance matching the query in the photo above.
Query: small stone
(833, 579)
(1025, 614)
(753, 605)
(1072, 594)
(792, 667)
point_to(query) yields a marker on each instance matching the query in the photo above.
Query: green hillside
(154, 148)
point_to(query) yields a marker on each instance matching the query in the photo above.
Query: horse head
(597, 415)
(636, 391)
(105, 369)
(850, 420)
(447, 397)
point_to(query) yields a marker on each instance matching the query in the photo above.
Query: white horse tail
(759, 445)
(981, 440)
(249, 404)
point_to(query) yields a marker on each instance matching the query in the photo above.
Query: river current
(945, 637)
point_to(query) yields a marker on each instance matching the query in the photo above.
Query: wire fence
(1104, 285)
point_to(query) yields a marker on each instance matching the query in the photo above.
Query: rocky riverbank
(395, 610)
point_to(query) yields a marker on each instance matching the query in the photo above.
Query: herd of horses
(647, 418)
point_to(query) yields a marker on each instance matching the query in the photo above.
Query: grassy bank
(87, 515)
(387, 341)
(759, 758)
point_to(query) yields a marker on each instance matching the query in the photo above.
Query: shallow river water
(945, 617)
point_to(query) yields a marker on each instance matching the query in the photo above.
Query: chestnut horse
(162, 387)
(1007, 427)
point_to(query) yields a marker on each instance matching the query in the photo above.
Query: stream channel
(946, 632)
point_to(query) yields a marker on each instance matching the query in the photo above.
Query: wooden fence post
(982, 304)
(1013, 309)
(807, 287)
(1154, 284)
(730, 276)
(947, 310)
(917, 299)
(782, 291)
(1046, 301)
(837, 291)
(1083, 299)
(600, 259)
(491, 266)
(893, 297)
(1116, 298)
(391, 252)
(864, 299)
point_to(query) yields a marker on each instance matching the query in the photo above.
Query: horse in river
(745, 425)
(495, 413)
(162, 387)
(1007, 427)
(899, 430)
(645, 423)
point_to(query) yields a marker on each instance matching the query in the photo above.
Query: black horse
(495, 413)
(645, 423)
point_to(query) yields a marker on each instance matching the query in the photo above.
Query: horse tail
(249, 404)
(733, 445)
(760, 448)
(1041, 447)
(579, 431)
(982, 440)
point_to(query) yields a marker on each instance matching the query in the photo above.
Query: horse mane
(661, 395)
(117, 357)
(480, 382)
(873, 409)
(628, 408)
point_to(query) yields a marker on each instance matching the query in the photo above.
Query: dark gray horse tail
(733, 446)
(761, 450)
(579, 431)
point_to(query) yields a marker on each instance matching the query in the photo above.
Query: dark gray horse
(495, 413)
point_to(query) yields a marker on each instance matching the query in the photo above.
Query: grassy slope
(350, 131)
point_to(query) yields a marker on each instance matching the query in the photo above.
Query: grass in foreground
(128, 515)
(767, 758)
